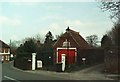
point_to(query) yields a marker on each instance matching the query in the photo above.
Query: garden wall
(92, 56)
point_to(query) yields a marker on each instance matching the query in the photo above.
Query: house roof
(74, 37)
(3, 45)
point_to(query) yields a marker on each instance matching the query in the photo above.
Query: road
(10, 73)
(16, 75)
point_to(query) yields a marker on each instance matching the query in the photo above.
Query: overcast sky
(26, 19)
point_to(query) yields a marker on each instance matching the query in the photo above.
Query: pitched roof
(74, 36)
(3, 45)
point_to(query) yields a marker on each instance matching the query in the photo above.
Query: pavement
(0, 71)
(91, 73)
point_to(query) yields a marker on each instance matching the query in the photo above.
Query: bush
(23, 63)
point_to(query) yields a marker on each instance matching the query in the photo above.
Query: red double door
(70, 55)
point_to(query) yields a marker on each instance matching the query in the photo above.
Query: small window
(66, 43)
(2, 58)
(6, 57)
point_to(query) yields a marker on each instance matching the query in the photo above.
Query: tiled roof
(3, 45)
(74, 38)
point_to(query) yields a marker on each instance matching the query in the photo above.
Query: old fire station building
(69, 44)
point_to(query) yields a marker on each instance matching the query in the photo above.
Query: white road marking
(11, 78)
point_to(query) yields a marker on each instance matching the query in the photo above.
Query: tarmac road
(10, 73)
(90, 74)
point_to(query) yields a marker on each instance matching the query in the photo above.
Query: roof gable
(74, 37)
(3, 45)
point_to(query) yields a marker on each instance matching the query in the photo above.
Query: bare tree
(106, 42)
(113, 7)
(92, 40)
(38, 37)
(114, 34)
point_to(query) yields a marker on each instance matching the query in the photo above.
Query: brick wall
(92, 56)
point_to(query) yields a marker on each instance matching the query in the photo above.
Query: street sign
(39, 64)
(83, 59)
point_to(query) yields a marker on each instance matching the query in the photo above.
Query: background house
(4, 52)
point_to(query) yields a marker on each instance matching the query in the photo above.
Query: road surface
(10, 73)
(16, 75)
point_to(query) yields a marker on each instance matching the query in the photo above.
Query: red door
(70, 55)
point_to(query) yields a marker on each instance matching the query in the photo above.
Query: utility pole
(10, 46)
(9, 57)
(10, 42)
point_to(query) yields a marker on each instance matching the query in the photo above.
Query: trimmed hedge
(112, 61)
(23, 63)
